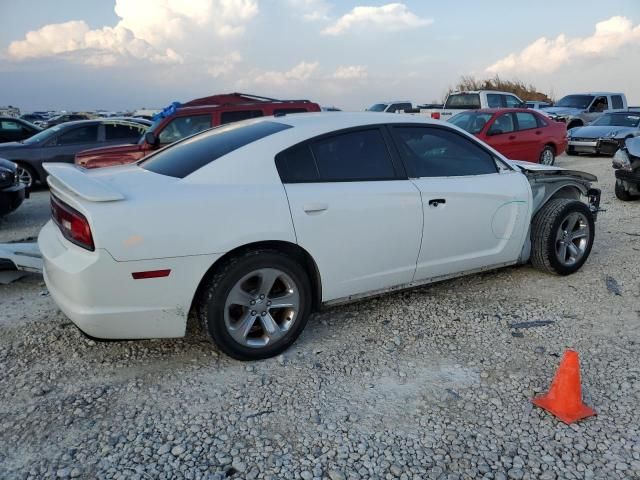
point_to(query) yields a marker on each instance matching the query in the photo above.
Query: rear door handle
(434, 202)
(312, 208)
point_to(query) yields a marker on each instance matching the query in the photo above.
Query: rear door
(531, 138)
(354, 211)
(475, 213)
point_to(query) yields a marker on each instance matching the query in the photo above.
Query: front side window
(181, 127)
(123, 131)
(436, 152)
(600, 104)
(472, 122)
(378, 107)
(581, 102)
(87, 134)
(503, 124)
(239, 115)
(511, 101)
(353, 156)
(185, 157)
(526, 121)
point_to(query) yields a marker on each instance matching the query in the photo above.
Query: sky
(126, 54)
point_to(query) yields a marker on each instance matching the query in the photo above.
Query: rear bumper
(101, 297)
(12, 197)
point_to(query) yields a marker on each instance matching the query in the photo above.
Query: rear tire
(26, 174)
(622, 193)
(245, 316)
(562, 234)
(547, 156)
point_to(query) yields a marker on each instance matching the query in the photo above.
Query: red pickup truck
(189, 118)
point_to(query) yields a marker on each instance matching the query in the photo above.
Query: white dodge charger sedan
(255, 225)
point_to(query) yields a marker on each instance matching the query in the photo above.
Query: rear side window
(181, 127)
(117, 131)
(185, 157)
(436, 152)
(353, 156)
(616, 102)
(238, 115)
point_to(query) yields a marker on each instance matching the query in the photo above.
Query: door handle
(538, 132)
(312, 208)
(512, 137)
(434, 202)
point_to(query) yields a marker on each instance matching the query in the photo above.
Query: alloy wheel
(572, 238)
(547, 157)
(261, 307)
(24, 176)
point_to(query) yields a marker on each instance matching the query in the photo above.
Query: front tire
(562, 235)
(26, 174)
(547, 156)
(256, 304)
(622, 193)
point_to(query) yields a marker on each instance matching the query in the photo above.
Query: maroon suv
(190, 118)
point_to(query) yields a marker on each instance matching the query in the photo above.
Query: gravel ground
(430, 383)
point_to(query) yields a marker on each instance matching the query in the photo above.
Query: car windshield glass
(378, 107)
(575, 101)
(192, 153)
(472, 122)
(43, 136)
(463, 101)
(618, 121)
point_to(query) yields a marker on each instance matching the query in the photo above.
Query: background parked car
(192, 117)
(66, 117)
(472, 100)
(517, 133)
(60, 144)
(34, 118)
(605, 135)
(15, 129)
(12, 191)
(580, 109)
(396, 106)
(536, 105)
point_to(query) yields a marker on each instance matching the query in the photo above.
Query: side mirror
(151, 139)
(494, 131)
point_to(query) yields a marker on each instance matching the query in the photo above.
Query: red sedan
(517, 133)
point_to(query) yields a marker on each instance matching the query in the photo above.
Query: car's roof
(98, 121)
(595, 93)
(500, 110)
(463, 92)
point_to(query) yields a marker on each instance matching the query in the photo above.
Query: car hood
(633, 146)
(537, 170)
(597, 131)
(562, 110)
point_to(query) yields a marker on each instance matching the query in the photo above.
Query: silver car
(605, 135)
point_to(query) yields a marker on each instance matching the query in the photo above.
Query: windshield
(378, 107)
(618, 120)
(472, 122)
(43, 136)
(575, 101)
(466, 101)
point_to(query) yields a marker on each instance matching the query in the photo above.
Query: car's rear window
(186, 156)
(467, 101)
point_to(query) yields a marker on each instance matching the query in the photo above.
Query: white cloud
(548, 55)
(351, 72)
(301, 72)
(312, 10)
(391, 17)
(159, 31)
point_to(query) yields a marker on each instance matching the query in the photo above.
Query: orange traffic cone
(564, 399)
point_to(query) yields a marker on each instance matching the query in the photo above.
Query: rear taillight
(435, 115)
(72, 224)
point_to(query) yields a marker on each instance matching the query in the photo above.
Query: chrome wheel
(572, 239)
(24, 176)
(261, 307)
(547, 157)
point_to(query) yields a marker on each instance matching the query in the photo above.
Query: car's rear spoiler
(69, 178)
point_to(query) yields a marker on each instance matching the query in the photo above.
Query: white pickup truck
(472, 100)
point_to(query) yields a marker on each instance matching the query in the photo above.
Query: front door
(476, 213)
(352, 211)
(64, 147)
(502, 136)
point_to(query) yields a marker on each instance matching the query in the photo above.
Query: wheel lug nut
(268, 304)
(253, 312)
(263, 313)
(253, 302)
(261, 297)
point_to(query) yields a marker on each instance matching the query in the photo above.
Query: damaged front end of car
(626, 163)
